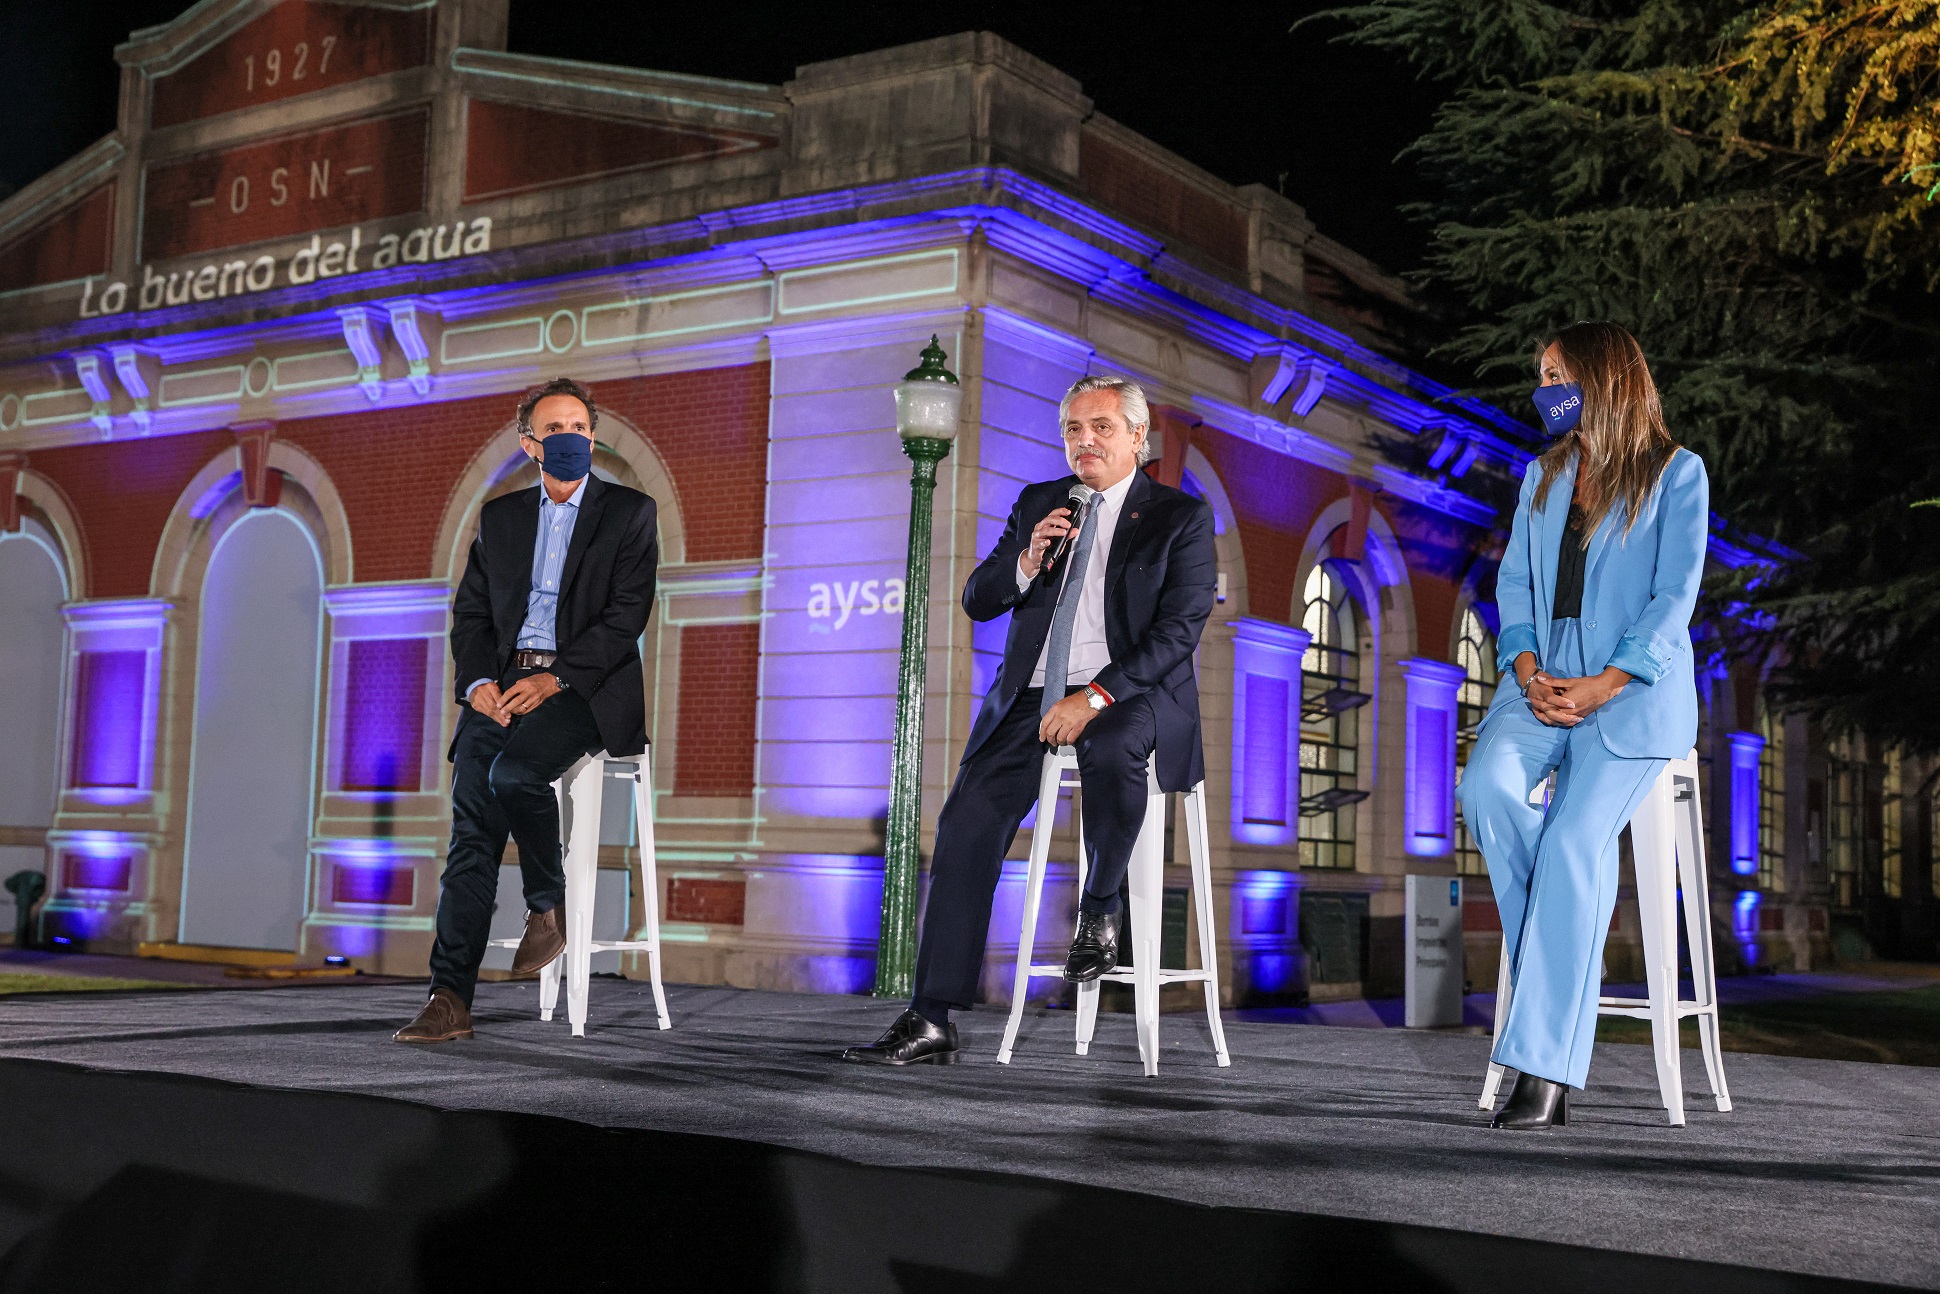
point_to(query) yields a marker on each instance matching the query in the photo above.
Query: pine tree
(1751, 190)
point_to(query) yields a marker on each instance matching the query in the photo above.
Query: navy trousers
(994, 791)
(501, 785)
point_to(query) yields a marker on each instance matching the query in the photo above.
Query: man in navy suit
(545, 634)
(1099, 657)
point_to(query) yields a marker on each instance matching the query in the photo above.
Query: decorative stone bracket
(140, 373)
(11, 466)
(360, 334)
(1292, 370)
(262, 484)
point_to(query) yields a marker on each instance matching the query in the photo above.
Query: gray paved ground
(1825, 1167)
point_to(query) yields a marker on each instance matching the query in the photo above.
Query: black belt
(525, 659)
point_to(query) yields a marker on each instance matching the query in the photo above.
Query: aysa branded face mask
(1559, 406)
(568, 455)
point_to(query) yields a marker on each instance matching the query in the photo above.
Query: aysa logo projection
(832, 605)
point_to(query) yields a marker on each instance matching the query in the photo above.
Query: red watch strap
(1101, 692)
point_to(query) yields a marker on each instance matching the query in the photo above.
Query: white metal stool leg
(1146, 885)
(1653, 842)
(1087, 1005)
(1047, 801)
(1493, 1083)
(551, 973)
(1202, 900)
(1695, 881)
(649, 879)
(587, 788)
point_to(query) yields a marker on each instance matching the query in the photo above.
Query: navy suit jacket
(1160, 585)
(606, 593)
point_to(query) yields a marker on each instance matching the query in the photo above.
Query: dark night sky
(1232, 91)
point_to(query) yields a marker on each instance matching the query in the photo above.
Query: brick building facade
(259, 358)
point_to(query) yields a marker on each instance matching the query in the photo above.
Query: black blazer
(1160, 586)
(605, 596)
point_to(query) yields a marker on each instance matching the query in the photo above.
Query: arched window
(1330, 702)
(33, 585)
(1771, 802)
(1892, 859)
(1845, 838)
(250, 795)
(1475, 655)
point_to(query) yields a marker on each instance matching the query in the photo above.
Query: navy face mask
(568, 455)
(1559, 406)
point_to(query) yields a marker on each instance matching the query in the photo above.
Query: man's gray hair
(1131, 405)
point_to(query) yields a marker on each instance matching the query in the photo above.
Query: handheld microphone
(1080, 496)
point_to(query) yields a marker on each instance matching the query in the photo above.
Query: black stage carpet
(206, 1141)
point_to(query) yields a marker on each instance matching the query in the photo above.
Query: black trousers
(993, 792)
(501, 784)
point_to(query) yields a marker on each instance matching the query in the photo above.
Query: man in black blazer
(545, 632)
(1099, 657)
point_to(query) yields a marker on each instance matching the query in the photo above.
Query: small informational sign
(1434, 940)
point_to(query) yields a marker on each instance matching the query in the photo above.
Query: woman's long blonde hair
(1620, 442)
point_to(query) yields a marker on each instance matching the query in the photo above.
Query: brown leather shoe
(544, 939)
(445, 1017)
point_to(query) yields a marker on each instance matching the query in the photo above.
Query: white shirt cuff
(1023, 580)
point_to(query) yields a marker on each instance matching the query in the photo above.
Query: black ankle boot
(1536, 1103)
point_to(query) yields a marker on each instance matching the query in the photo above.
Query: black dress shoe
(1095, 950)
(912, 1040)
(1536, 1103)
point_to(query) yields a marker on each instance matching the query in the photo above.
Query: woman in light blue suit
(1596, 592)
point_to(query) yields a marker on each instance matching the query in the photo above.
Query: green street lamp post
(927, 401)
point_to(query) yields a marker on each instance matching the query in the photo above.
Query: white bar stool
(1146, 879)
(1667, 848)
(585, 782)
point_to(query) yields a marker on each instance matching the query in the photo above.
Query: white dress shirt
(1089, 654)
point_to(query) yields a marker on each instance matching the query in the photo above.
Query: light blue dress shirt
(556, 522)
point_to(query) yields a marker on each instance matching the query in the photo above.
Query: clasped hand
(523, 697)
(1566, 702)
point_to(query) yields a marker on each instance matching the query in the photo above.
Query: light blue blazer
(1639, 591)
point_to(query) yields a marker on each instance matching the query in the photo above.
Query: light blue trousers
(1555, 871)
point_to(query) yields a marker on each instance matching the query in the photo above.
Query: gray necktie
(1057, 661)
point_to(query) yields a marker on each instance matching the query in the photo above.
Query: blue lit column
(110, 878)
(1747, 750)
(1428, 813)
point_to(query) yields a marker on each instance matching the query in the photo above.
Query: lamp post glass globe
(928, 399)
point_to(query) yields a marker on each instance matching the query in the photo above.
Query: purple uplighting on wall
(1264, 929)
(1745, 922)
(108, 693)
(87, 870)
(373, 883)
(1746, 750)
(1264, 772)
(384, 715)
(1428, 809)
(1266, 685)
